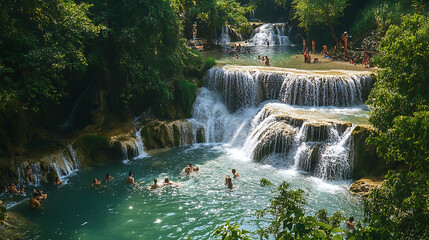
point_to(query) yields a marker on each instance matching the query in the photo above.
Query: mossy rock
(366, 162)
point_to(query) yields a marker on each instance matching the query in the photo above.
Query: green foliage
(380, 14)
(399, 103)
(289, 221)
(208, 63)
(41, 41)
(230, 232)
(211, 14)
(264, 182)
(318, 12)
(185, 94)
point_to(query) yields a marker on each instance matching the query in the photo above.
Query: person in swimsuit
(303, 45)
(29, 175)
(267, 61)
(12, 188)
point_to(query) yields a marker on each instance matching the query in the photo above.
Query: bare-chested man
(345, 37)
(130, 179)
(34, 203)
(228, 182)
(29, 175)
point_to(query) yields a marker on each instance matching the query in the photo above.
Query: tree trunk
(331, 27)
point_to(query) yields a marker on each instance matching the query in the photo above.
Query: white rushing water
(133, 145)
(272, 33)
(256, 113)
(244, 87)
(224, 36)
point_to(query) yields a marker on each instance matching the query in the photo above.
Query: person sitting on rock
(57, 181)
(12, 188)
(21, 188)
(34, 202)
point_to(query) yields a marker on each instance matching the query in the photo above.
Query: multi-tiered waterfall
(284, 117)
(272, 33)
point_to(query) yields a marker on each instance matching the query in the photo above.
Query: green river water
(77, 210)
(120, 211)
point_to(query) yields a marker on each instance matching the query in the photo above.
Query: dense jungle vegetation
(123, 58)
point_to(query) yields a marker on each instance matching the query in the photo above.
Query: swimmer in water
(167, 183)
(96, 183)
(228, 182)
(57, 181)
(108, 178)
(34, 203)
(154, 185)
(189, 169)
(130, 179)
(21, 188)
(235, 173)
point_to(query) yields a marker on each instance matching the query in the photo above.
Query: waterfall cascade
(274, 33)
(131, 144)
(309, 139)
(224, 37)
(242, 86)
(64, 163)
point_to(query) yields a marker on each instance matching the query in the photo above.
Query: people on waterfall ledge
(267, 61)
(57, 181)
(29, 175)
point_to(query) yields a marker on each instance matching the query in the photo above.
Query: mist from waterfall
(272, 33)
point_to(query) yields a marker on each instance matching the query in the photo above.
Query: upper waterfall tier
(270, 33)
(248, 86)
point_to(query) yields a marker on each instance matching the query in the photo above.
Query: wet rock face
(363, 187)
(366, 162)
(162, 134)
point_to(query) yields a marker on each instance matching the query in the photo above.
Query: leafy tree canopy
(400, 112)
